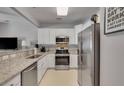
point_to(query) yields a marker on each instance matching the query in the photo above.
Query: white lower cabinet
(73, 61)
(43, 64)
(40, 69)
(16, 81)
(51, 61)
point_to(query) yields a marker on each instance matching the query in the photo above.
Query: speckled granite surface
(10, 68)
(7, 52)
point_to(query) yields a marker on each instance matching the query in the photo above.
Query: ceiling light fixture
(62, 11)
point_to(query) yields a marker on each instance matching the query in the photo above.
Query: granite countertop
(7, 52)
(10, 68)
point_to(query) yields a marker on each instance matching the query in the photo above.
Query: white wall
(112, 56)
(19, 27)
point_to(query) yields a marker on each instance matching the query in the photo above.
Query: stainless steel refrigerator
(89, 56)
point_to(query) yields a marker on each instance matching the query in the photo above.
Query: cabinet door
(39, 73)
(40, 37)
(73, 61)
(40, 69)
(45, 66)
(46, 37)
(72, 38)
(43, 36)
(51, 60)
(52, 37)
(47, 61)
(16, 81)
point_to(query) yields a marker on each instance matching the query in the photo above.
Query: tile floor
(60, 78)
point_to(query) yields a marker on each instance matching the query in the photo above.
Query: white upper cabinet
(43, 36)
(52, 37)
(48, 36)
(67, 32)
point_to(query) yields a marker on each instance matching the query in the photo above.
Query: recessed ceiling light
(62, 11)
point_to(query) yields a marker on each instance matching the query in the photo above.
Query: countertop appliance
(43, 49)
(29, 76)
(89, 56)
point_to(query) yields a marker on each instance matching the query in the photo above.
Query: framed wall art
(113, 20)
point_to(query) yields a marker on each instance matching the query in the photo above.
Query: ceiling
(47, 16)
(7, 11)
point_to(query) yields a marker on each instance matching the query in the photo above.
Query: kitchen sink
(34, 56)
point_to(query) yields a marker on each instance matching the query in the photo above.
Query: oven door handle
(62, 54)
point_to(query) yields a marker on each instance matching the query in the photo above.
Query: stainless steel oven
(62, 61)
(62, 53)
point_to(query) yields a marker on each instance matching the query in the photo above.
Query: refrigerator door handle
(81, 59)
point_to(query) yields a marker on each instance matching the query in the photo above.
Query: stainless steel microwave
(62, 39)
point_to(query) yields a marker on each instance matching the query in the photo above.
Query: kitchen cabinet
(52, 37)
(40, 68)
(43, 64)
(73, 61)
(71, 38)
(16, 81)
(51, 63)
(67, 32)
(43, 36)
(48, 36)
(46, 63)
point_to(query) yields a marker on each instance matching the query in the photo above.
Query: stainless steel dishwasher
(29, 76)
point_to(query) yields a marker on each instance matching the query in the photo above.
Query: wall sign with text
(114, 19)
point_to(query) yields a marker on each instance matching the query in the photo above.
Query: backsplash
(16, 54)
(54, 45)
